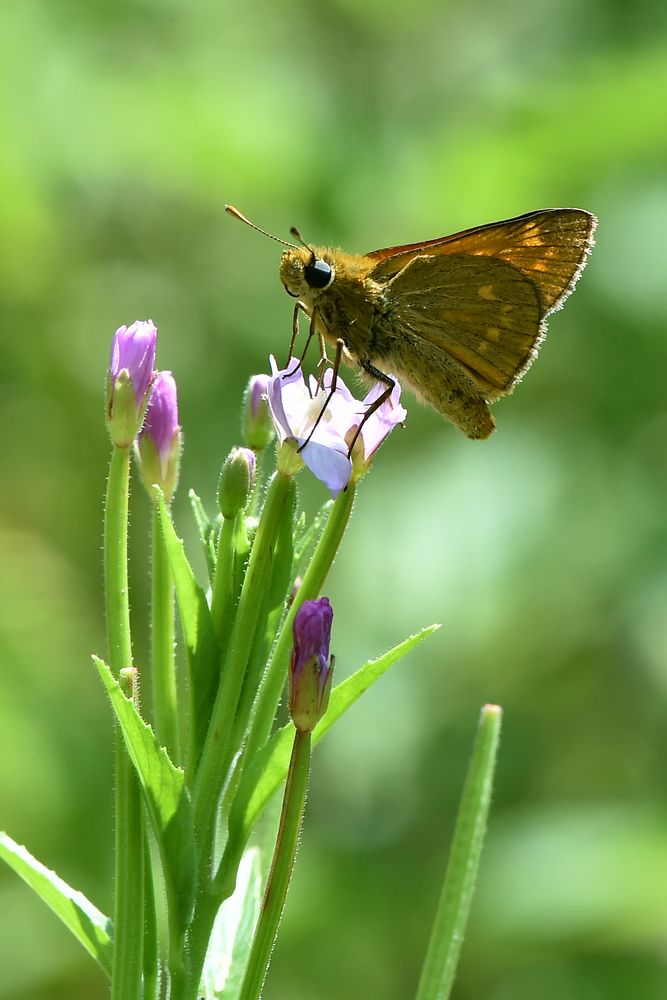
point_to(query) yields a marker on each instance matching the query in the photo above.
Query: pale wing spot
(487, 292)
(493, 333)
(532, 241)
(506, 307)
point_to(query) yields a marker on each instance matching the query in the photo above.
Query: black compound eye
(318, 273)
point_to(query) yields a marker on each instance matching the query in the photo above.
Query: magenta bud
(159, 441)
(130, 377)
(133, 349)
(311, 667)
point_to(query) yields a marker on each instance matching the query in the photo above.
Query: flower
(297, 408)
(257, 424)
(129, 381)
(159, 440)
(311, 667)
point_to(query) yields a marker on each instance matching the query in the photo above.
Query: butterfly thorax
(347, 305)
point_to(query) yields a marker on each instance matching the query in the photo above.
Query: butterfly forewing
(549, 247)
(483, 312)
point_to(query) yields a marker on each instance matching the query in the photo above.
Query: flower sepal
(124, 419)
(311, 695)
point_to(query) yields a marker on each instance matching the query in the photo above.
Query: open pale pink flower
(295, 408)
(298, 407)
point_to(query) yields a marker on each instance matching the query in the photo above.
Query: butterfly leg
(389, 384)
(311, 334)
(295, 332)
(323, 362)
(332, 389)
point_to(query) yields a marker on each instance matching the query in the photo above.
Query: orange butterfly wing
(481, 296)
(549, 246)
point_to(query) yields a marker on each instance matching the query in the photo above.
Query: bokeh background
(124, 129)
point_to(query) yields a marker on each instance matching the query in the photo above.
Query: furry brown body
(459, 319)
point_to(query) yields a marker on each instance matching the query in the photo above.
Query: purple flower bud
(133, 349)
(237, 478)
(311, 668)
(129, 381)
(159, 441)
(257, 423)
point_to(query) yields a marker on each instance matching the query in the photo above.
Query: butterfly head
(306, 272)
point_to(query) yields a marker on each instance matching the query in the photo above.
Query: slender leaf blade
(233, 931)
(88, 925)
(167, 798)
(451, 917)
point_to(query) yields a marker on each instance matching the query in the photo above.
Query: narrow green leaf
(90, 927)
(167, 799)
(451, 918)
(206, 531)
(269, 768)
(201, 646)
(233, 931)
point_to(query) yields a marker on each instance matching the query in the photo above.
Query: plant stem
(281, 868)
(163, 650)
(217, 751)
(129, 832)
(311, 584)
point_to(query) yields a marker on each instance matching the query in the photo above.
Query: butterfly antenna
(297, 236)
(234, 212)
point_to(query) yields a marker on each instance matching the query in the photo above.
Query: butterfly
(459, 319)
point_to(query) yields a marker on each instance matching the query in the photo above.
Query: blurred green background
(125, 127)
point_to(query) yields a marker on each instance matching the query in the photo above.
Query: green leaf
(456, 898)
(90, 927)
(167, 800)
(206, 531)
(230, 941)
(269, 768)
(203, 653)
